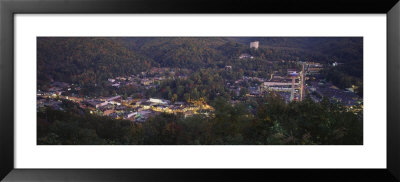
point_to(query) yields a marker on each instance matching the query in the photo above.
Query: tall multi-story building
(293, 76)
(254, 44)
(302, 83)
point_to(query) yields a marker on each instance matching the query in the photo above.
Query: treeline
(205, 83)
(339, 77)
(273, 123)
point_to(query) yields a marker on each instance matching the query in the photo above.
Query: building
(335, 64)
(108, 112)
(121, 78)
(245, 56)
(40, 93)
(179, 104)
(115, 85)
(281, 86)
(291, 71)
(313, 70)
(188, 113)
(146, 81)
(146, 105)
(276, 84)
(302, 83)
(254, 91)
(293, 76)
(96, 103)
(130, 115)
(115, 98)
(254, 44)
(158, 101)
(141, 116)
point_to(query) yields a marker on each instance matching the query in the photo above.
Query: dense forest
(90, 61)
(274, 123)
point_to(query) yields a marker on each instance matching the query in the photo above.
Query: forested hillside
(89, 61)
(275, 123)
(85, 60)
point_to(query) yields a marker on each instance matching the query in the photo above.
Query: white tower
(254, 44)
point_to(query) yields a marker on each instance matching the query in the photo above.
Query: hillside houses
(245, 56)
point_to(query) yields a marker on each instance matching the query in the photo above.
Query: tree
(174, 98)
(243, 92)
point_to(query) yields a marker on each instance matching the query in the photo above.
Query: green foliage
(274, 123)
(343, 79)
(85, 61)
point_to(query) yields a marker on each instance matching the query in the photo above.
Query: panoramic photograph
(199, 91)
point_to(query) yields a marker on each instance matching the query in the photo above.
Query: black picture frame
(8, 8)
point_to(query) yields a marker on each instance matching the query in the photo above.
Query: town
(200, 91)
(292, 87)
